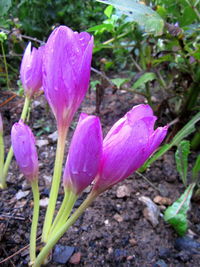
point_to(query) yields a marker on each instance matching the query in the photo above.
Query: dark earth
(115, 230)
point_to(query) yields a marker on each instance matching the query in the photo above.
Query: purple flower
(127, 146)
(84, 154)
(66, 71)
(23, 144)
(31, 70)
(1, 124)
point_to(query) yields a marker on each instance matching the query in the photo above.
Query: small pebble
(162, 200)
(151, 212)
(75, 258)
(44, 202)
(54, 136)
(133, 241)
(62, 254)
(118, 217)
(123, 191)
(42, 142)
(21, 194)
(187, 244)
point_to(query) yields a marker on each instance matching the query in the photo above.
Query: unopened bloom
(127, 146)
(84, 154)
(31, 70)
(66, 71)
(1, 124)
(23, 144)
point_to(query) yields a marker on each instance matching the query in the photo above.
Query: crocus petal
(23, 144)
(66, 71)
(127, 146)
(84, 154)
(156, 139)
(138, 112)
(122, 154)
(31, 70)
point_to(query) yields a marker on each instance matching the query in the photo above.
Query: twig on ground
(147, 180)
(17, 252)
(7, 255)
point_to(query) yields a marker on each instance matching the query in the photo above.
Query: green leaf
(181, 157)
(146, 77)
(3, 36)
(176, 215)
(101, 28)
(183, 133)
(140, 13)
(108, 11)
(4, 6)
(119, 82)
(94, 83)
(186, 130)
(196, 169)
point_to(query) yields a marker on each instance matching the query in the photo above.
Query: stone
(123, 191)
(188, 244)
(44, 202)
(162, 200)
(118, 217)
(21, 194)
(75, 258)
(151, 212)
(47, 180)
(133, 241)
(42, 142)
(62, 254)
(53, 136)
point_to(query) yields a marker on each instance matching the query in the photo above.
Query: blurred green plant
(176, 214)
(188, 129)
(162, 40)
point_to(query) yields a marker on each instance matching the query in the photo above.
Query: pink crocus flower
(23, 144)
(66, 71)
(128, 144)
(84, 154)
(31, 70)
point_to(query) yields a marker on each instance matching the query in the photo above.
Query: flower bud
(84, 154)
(66, 71)
(31, 70)
(23, 144)
(127, 146)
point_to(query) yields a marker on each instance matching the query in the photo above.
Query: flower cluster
(62, 68)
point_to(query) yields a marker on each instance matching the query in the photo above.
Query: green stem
(5, 65)
(55, 183)
(63, 214)
(54, 239)
(10, 152)
(25, 108)
(33, 235)
(61, 210)
(2, 181)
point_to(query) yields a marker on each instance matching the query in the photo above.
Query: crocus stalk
(82, 164)
(128, 144)
(23, 143)
(66, 74)
(31, 78)
(2, 181)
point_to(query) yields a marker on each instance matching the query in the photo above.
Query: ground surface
(115, 230)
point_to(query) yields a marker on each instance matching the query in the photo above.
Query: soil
(115, 229)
